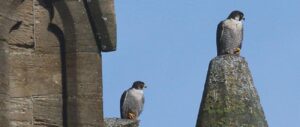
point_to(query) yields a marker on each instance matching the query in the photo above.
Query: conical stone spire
(230, 98)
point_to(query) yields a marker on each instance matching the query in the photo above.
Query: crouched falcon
(132, 101)
(230, 34)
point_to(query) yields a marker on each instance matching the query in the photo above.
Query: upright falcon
(132, 101)
(230, 34)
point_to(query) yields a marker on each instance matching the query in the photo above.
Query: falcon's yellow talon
(131, 115)
(237, 51)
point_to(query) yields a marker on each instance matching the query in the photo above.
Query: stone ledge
(118, 122)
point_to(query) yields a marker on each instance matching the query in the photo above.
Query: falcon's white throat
(138, 94)
(237, 18)
(236, 21)
(138, 91)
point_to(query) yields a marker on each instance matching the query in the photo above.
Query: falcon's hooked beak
(145, 86)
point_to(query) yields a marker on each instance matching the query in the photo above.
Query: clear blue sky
(168, 44)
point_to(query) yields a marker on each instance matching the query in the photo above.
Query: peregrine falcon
(132, 101)
(230, 34)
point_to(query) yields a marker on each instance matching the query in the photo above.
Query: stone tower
(50, 55)
(230, 98)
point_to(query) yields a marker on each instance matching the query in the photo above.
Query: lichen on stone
(230, 98)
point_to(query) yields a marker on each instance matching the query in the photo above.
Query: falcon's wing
(219, 34)
(123, 98)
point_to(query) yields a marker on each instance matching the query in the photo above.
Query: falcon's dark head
(236, 15)
(139, 85)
